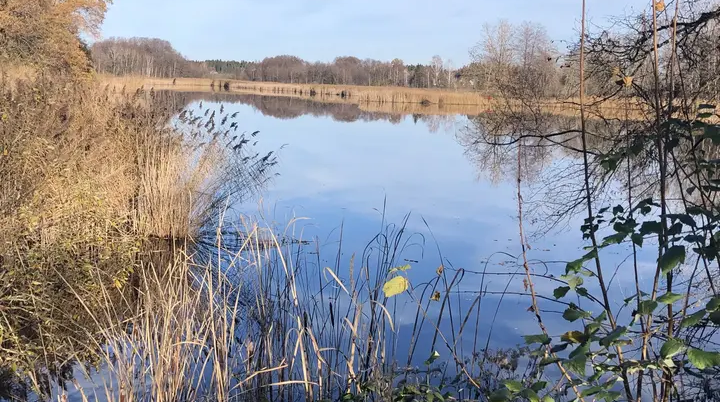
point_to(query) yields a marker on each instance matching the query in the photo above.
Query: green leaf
(669, 298)
(671, 347)
(638, 239)
(395, 286)
(591, 391)
(577, 365)
(576, 266)
(581, 350)
(547, 398)
(560, 292)
(549, 360)
(434, 356)
(617, 238)
(592, 328)
(539, 386)
(575, 282)
(693, 319)
(610, 382)
(587, 272)
(633, 297)
(702, 359)
(559, 347)
(647, 307)
(541, 339)
(602, 317)
(675, 229)
(650, 227)
(715, 317)
(713, 304)
(573, 314)
(574, 337)
(501, 395)
(668, 363)
(609, 396)
(613, 336)
(513, 386)
(672, 258)
(530, 395)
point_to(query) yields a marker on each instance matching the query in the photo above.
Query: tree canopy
(46, 33)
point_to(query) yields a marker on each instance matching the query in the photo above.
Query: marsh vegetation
(130, 272)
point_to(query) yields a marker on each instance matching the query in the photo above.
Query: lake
(345, 175)
(358, 197)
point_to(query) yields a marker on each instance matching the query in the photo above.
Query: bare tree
(450, 72)
(517, 61)
(143, 56)
(436, 66)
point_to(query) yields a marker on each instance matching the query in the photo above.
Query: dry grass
(179, 182)
(258, 322)
(373, 99)
(88, 178)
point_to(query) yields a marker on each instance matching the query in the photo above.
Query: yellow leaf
(435, 296)
(395, 286)
(440, 270)
(574, 337)
(403, 268)
(660, 6)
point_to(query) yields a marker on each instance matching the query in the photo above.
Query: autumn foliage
(44, 34)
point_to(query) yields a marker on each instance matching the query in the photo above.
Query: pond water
(344, 175)
(348, 181)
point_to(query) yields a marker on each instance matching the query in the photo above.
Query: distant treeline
(345, 70)
(143, 56)
(506, 53)
(514, 60)
(157, 58)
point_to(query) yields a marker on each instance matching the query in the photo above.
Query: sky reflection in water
(339, 173)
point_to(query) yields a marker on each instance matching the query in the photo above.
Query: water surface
(349, 173)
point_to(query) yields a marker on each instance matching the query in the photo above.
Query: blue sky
(413, 30)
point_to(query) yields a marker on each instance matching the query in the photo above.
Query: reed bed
(263, 319)
(90, 177)
(378, 99)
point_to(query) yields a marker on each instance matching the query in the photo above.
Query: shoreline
(399, 100)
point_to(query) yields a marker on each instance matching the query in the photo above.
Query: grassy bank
(375, 99)
(92, 181)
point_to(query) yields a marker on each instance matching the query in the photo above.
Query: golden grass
(90, 178)
(17, 71)
(372, 99)
(257, 325)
